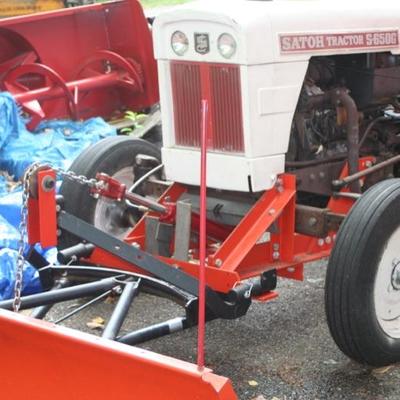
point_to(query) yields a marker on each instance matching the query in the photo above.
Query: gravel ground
(279, 350)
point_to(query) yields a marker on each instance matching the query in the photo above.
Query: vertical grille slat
(225, 106)
(187, 99)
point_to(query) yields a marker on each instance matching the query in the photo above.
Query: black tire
(109, 155)
(154, 136)
(352, 271)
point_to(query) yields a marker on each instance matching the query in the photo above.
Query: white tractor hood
(258, 26)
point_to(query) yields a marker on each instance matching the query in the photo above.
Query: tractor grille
(220, 85)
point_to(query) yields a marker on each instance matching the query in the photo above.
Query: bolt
(312, 177)
(328, 240)
(117, 290)
(322, 175)
(271, 211)
(279, 185)
(136, 245)
(321, 242)
(312, 221)
(48, 183)
(276, 255)
(218, 262)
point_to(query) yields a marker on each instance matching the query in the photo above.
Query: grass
(159, 3)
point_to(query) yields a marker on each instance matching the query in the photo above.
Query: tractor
(281, 138)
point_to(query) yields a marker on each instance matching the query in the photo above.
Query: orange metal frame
(247, 250)
(264, 240)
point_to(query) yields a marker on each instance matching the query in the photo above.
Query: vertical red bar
(203, 236)
(47, 208)
(33, 221)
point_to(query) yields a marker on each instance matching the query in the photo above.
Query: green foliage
(154, 3)
(159, 3)
(136, 119)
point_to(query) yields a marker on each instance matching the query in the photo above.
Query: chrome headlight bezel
(227, 45)
(179, 43)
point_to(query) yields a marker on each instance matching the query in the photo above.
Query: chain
(81, 179)
(22, 238)
(23, 226)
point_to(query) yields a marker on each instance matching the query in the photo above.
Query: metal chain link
(22, 238)
(23, 226)
(81, 179)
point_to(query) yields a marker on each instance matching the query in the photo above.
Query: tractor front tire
(115, 156)
(362, 291)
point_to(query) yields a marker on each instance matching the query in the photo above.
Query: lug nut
(48, 183)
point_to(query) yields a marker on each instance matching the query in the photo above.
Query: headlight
(227, 45)
(179, 43)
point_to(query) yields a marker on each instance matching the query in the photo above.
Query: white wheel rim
(387, 287)
(102, 219)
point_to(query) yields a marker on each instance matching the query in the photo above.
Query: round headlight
(227, 45)
(179, 43)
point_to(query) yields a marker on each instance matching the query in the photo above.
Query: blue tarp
(3, 186)
(54, 142)
(9, 238)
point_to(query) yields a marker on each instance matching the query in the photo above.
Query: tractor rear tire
(116, 157)
(362, 291)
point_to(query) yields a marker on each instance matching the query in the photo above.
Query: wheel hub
(387, 287)
(112, 217)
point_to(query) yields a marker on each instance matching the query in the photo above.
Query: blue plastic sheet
(3, 186)
(11, 123)
(31, 282)
(9, 238)
(10, 207)
(55, 142)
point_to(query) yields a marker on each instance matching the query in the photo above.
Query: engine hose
(342, 96)
(336, 97)
(370, 127)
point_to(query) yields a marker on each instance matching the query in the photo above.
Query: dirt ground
(280, 350)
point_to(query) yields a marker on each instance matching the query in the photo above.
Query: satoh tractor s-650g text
(281, 137)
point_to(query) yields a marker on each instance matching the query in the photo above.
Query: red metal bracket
(274, 203)
(42, 214)
(109, 187)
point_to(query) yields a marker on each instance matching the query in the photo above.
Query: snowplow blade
(46, 361)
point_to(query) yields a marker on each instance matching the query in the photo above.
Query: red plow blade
(46, 361)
